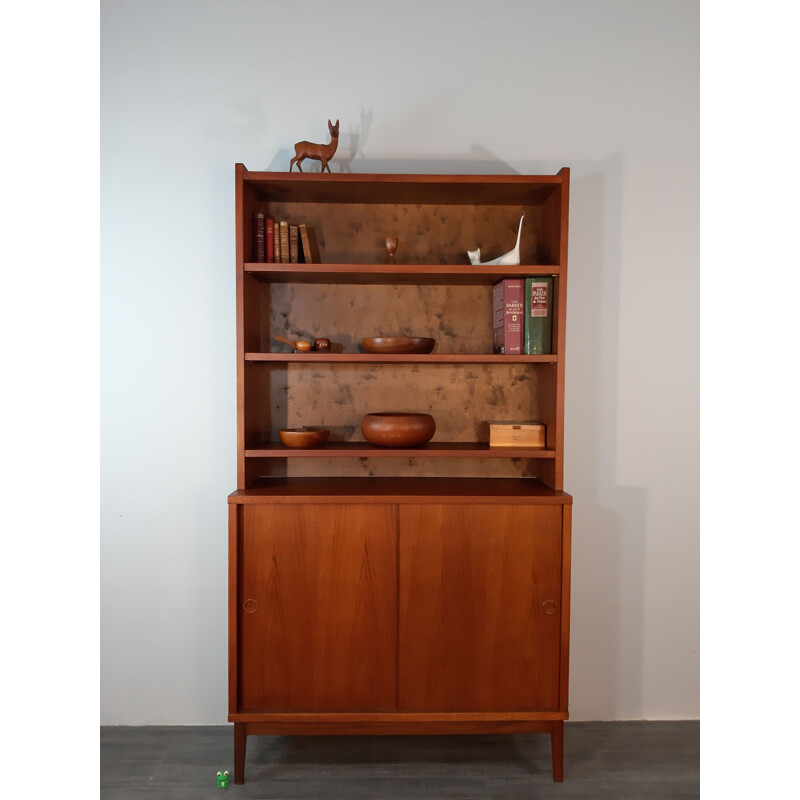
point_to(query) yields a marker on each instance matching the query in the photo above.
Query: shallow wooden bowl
(398, 344)
(398, 429)
(304, 437)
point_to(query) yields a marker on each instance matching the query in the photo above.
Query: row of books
(280, 242)
(523, 316)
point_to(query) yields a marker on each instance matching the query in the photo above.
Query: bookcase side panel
(257, 330)
(551, 227)
(251, 203)
(265, 401)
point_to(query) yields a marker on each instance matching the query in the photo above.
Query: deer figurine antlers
(320, 152)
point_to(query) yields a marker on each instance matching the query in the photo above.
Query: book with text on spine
(538, 316)
(259, 237)
(270, 241)
(507, 316)
(276, 242)
(284, 239)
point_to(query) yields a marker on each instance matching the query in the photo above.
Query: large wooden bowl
(304, 437)
(398, 429)
(398, 344)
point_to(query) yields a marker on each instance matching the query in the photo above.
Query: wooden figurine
(320, 152)
(391, 248)
(300, 346)
(322, 345)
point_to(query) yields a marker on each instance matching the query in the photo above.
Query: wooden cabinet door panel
(480, 616)
(318, 607)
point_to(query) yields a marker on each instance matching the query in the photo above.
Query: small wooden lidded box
(516, 434)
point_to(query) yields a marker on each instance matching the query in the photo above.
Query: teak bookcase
(383, 591)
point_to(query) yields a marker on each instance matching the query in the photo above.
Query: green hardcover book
(538, 316)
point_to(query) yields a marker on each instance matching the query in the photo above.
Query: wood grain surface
(318, 607)
(400, 490)
(480, 600)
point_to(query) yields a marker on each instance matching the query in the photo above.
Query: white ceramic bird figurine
(509, 259)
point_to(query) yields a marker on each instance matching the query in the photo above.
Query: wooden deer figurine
(320, 152)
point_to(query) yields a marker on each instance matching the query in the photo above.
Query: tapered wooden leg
(239, 747)
(557, 746)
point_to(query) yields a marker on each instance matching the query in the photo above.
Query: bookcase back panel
(461, 398)
(386, 189)
(355, 233)
(458, 317)
(489, 468)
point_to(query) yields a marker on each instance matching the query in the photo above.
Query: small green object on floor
(222, 780)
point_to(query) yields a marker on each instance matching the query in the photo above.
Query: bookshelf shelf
(398, 590)
(359, 489)
(363, 450)
(371, 358)
(420, 274)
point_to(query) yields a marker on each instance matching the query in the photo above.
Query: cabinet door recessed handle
(549, 606)
(250, 606)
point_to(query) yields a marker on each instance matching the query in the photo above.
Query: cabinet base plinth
(396, 725)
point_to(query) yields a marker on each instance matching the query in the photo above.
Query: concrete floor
(614, 760)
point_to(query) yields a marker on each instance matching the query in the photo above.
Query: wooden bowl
(398, 429)
(398, 344)
(304, 437)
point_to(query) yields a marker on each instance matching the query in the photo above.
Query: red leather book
(508, 306)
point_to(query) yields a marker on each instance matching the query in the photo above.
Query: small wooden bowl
(398, 344)
(398, 429)
(304, 437)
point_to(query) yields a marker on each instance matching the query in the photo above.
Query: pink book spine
(509, 299)
(498, 318)
(515, 316)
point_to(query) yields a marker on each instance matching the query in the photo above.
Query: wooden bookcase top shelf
(417, 189)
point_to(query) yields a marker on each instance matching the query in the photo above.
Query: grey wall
(607, 87)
